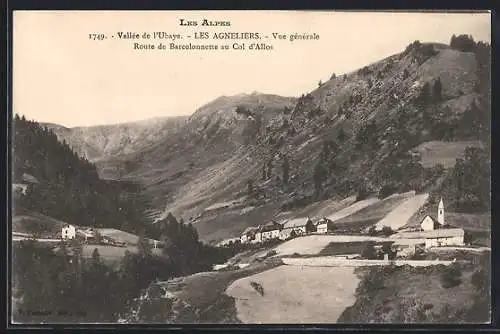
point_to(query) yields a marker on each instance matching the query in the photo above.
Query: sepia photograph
(250, 167)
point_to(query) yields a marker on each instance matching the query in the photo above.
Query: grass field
(441, 152)
(403, 212)
(351, 209)
(314, 244)
(119, 235)
(320, 209)
(371, 214)
(294, 295)
(111, 255)
(205, 292)
(338, 248)
(31, 223)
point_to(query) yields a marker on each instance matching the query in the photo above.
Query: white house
(68, 232)
(429, 224)
(324, 225)
(248, 235)
(297, 225)
(269, 231)
(435, 238)
(444, 237)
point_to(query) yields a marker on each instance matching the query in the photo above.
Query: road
(18, 239)
(332, 261)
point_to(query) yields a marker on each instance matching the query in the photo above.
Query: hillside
(107, 142)
(355, 130)
(393, 126)
(67, 186)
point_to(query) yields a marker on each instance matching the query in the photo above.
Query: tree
(425, 95)
(333, 76)
(362, 191)
(387, 249)
(386, 231)
(269, 168)
(386, 190)
(320, 83)
(286, 169)
(144, 246)
(464, 43)
(406, 74)
(369, 252)
(319, 176)
(451, 276)
(250, 189)
(372, 231)
(342, 136)
(436, 90)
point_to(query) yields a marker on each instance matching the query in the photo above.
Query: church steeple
(441, 212)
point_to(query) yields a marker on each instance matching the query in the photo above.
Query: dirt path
(295, 295)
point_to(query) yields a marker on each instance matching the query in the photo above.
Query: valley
(372, 155)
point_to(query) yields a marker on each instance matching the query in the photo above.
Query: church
(435, 232)
(430, 224)
(438, 233)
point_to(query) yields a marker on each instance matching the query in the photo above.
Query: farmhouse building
(269, 231)
(324, 226)
(435, 238)
(223, 243)
(444, 237)
(298, 226)
(68, 232)
(249, 234)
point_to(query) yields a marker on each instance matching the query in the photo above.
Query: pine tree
(144, 246)
(436, 90)
(286, 170)
(250, 189)
(319, 175)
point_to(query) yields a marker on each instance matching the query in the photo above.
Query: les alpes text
(205, 22)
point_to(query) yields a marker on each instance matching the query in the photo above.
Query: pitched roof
(323, 221)
(250, 229)
(271, 226)
(436, 224)
(439, 233)
(297, 222)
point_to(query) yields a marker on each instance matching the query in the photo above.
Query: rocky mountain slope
(244, 159)
(106, 142)
(353, 130)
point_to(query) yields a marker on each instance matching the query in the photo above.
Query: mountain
(101, 143)
(241, 160)
(64, 186)
(354, 133)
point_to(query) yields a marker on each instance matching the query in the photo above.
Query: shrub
(451, 277)
(386, 191)
(480, 280)
(369, 252)
(463, 43)
(387, 231)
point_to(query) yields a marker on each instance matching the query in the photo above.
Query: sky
(62, 76)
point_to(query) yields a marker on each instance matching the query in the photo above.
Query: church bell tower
(441, 212)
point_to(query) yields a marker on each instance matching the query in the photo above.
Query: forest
(68, 187)
(61, 285)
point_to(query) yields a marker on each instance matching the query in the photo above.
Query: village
(404, 243)
(372, 243)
